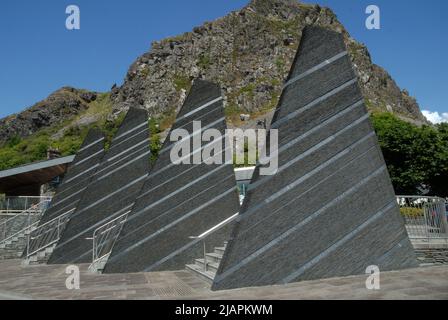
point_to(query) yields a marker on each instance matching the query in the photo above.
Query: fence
(425, 217)
(46, 235)
(16, 205)
(23, 221)
(204, 236)
(104, 239)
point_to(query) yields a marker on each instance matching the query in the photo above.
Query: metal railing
(425, 217)
(104, 239)
(16, 205)
(23, 222)
(47, 234)
(204, 235)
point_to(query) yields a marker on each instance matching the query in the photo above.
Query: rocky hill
(248, 52)
(60, 106)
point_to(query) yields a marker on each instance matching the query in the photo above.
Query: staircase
(14, 231)
(40, 257)
(13, 247)
(213, 259)
(44, 238)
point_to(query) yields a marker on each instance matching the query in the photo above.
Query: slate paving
(47, 282)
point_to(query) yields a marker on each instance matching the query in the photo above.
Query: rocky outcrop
(249, 53)
(57, 108)
(380, 90)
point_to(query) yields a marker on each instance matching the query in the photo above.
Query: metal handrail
(23, 231)
(421, 197)
(215, 228)
(48, 234)
(39, 208)
(14, 212)
(6, 206)
(104, 238)
(46, 200)
(205, 234)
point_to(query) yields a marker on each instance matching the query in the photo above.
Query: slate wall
(111, 192)
(179, 201)
(76, 180)
(330, 210)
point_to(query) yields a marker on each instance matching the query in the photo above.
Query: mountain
(248, 52)
(61, 105)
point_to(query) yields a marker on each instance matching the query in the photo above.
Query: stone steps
(214, 257)
(211, 266)
(98, 266)
(220, 250)
(13, 248)
(434, 256)
(40, 257)
(20, 236)
(213, 260)
(8, 254)
(207, 276)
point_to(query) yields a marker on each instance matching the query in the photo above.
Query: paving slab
(47, 282)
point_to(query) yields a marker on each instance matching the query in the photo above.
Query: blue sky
(39, 55)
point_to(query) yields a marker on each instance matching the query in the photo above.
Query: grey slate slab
(330, 210)
(179, 201)
(111, 192)
(75, 182)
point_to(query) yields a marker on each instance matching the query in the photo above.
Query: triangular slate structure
(330, 210)
(75, 181)
(112, 190)
(78, 176)
(180, 201)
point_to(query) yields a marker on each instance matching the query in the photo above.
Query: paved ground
(48, 282)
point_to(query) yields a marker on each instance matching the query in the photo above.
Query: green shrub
(411, 212)
(204, 61)
(14, 141)
(181, 82)
(155, 146)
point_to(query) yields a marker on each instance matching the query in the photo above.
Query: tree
(438, 181)
(417, 157)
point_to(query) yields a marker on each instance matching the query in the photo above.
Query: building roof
(44, 171)
(35, 173)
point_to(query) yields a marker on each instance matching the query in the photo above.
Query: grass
(167, 119)
(248, 90)
(181, 82)
(280, 63)
(204, 61)
(66, 137)
(155, 144)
